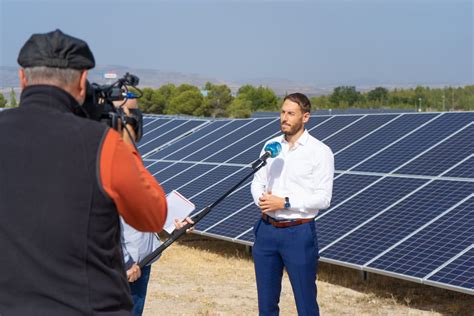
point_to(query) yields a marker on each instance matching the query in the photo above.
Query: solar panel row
(403, 192)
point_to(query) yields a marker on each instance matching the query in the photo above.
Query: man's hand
(180, 224)
(129, 128)
(129, 104)
(133, 273)
(268, 202)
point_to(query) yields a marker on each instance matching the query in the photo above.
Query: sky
(324, 42)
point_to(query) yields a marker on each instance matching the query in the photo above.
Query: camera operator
(64, 181)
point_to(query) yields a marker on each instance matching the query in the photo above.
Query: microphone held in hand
(272, 149)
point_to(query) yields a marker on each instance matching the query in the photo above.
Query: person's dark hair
(301, 99)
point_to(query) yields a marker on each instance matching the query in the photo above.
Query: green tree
(162, 97)
(13, 102)
(218, 99)
(320, 103)
(155, 100)
(430, 99)
(262, 98)
(146, 101)
(3, 101)
(466, 98)
(379, 94)
(183, 88)
(344, 95)
(187, 100)
(240, 108)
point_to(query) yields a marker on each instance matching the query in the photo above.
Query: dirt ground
(200, 276)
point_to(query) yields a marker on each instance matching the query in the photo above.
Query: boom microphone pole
(271, 150)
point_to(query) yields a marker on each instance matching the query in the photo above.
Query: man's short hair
(301, 99)
(56, 76)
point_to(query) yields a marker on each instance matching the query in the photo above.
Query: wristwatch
(287, 202)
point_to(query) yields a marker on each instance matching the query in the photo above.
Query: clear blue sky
(315, 42)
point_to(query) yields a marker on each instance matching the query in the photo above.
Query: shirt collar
(302, 140)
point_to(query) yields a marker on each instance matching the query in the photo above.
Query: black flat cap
(56, 50)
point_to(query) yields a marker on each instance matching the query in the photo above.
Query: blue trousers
(138, 290)
(296, 249)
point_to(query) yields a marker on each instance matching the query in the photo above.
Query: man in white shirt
(290, 190)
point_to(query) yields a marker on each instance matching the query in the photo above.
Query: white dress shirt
(303, 173)
(136, 245)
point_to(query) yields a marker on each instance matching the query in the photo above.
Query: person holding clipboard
(136, 245)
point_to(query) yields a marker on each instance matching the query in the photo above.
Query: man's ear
(82, 86)
(306, 117)
(21, 75)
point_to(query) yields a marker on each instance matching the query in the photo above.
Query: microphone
(272, 149)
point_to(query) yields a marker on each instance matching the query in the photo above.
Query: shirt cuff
(129, 263)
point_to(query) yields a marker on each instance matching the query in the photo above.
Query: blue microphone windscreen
(131, 95)
(274, 148)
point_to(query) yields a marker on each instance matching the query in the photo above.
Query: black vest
(59, 232)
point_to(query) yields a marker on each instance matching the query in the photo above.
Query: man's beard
(293, 129)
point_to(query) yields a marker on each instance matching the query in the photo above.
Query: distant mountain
(156, 78)
(148, 77)
(9, 77)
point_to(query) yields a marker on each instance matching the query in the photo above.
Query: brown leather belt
(284, 223)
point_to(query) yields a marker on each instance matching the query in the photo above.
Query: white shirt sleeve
(127, 257)
(321, 196)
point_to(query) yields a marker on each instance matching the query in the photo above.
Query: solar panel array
(403, 201)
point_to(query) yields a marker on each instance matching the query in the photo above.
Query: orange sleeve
(137, 195)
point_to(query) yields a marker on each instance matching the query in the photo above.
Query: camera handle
(177, 233)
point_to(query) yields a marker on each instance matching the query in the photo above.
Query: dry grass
(200, 276)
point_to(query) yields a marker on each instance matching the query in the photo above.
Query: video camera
(99, 104)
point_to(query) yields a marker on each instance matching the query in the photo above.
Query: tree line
(218, 101)
(419, 99)
(212, 101)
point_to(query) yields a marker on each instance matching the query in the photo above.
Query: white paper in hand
(178, 208)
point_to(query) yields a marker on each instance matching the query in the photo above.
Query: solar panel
(452, 150)
(464, 170)
(439, 240)
(355, 131)
(164, 133)
(221, 176)
(392, 223)
(424, 139)
(209, 130)
(186, 147)
(376, 141)
(230, 139)
(333, 125)
(355, 211)
(177, 180)
(233, 224)
(458, 274)
(403, 190)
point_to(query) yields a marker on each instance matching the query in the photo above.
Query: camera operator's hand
(129, 128)
(180, 224)
(133, 273)
(129, 104)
